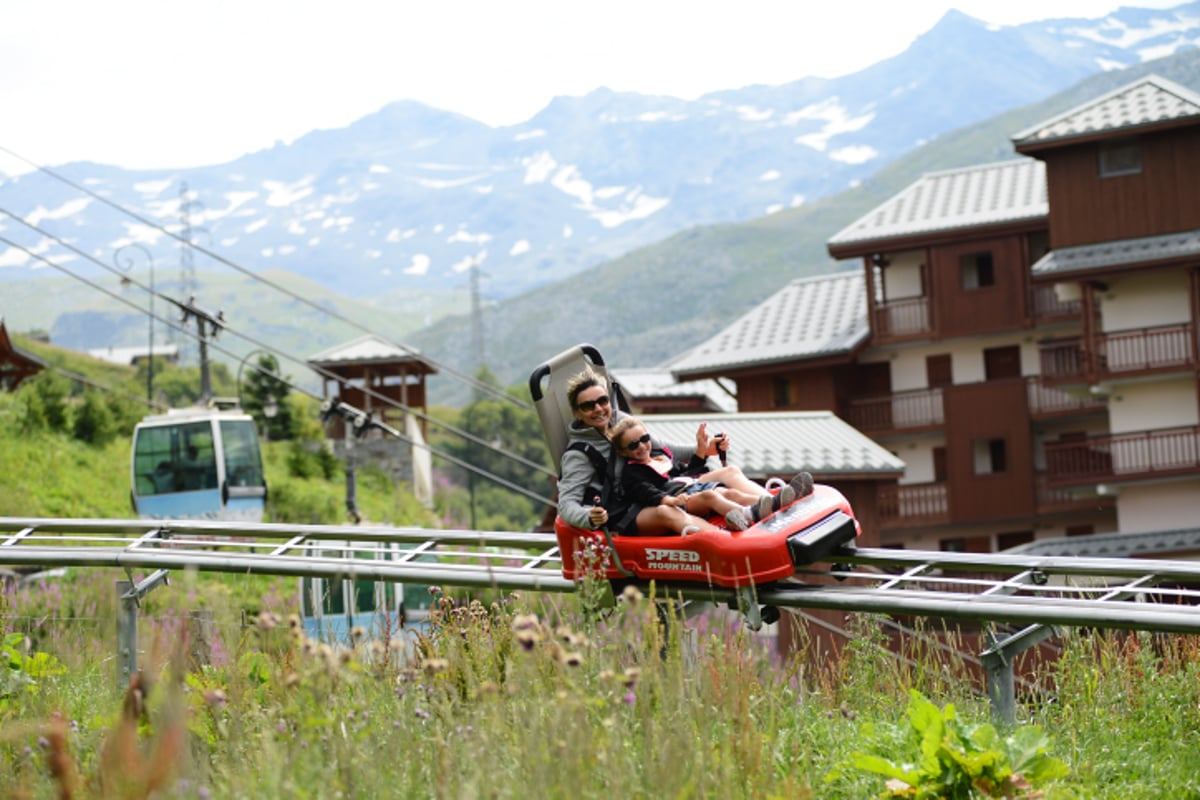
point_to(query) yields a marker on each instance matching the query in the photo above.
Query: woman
(594, 414)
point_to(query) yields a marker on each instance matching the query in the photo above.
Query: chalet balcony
(901, 411)
(1047, 401)
(1163, 348)
(914, 504)
(901, 318)
(1048, 308)
(1058, 500)
(1123, 457)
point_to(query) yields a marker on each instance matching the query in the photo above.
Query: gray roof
(785, 442)
(1116, 545)
(1091, 257)
(659, 382)
(809, 318)
(365, 349)
(988, 194)
(1151, 100)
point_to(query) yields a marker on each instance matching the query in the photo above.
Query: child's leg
(711, 501)
(659, 520)
(735, 479)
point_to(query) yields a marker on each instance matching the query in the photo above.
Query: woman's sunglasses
(590, 405)
(630, 446)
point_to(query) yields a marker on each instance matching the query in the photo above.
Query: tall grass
(529, 696)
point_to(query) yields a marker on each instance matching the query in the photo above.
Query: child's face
(635, 443)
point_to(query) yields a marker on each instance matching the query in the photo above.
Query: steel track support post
(127, 611)
(129, 597)
(1000, 685)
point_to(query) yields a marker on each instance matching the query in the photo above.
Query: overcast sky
(162, 83)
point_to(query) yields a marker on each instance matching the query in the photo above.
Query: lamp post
(126, 265)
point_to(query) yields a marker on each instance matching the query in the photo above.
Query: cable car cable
(300, 390)
(189, 308)
(469, 380)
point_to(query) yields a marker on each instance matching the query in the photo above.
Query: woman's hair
(618, 430)
(584, 380)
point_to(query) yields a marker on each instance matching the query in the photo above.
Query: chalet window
(990, 456)
(977, 270)
(938, 371)
(782, 390)
(966, 544)
(1120, 158)
(1002, 362)
(1004, 541)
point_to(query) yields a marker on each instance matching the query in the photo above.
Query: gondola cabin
(198, 463)
(333, 607)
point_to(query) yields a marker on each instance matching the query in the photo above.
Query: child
(652, 476)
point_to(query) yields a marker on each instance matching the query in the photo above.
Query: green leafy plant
(945, 757)
(20, 670)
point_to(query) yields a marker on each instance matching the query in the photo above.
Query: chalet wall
(1002, 306)
(1158, 506)
(1163, 198)
(902, 276)
(1153, 406)
(1146, 300)
(977, 413)
(917, 455)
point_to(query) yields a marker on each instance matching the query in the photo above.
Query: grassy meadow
(535, 697)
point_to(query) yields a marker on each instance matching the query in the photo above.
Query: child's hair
(584, 380)
(618, 430)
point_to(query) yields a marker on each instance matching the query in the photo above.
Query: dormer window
(1123, 157)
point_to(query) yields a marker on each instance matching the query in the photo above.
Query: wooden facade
(1161, 196)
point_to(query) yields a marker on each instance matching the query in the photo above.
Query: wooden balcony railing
(1047, 400)
(1046, 305)
(1147, 348)
(1124, 456)
(1119, 353)
(905, 317)
(1052, 499)
(1062, 358)
(919, 408)
(914, 503)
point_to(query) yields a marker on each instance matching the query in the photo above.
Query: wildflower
(216, 698)
(605, 675)
(421, 713)
(267, 621)
(632, 595)
(294, 621)
(630, 675)
(528, 639)
(489, 687)
(630, 698)
(572, 659)
(524, 622)
(358, 633)
(433, 666)
(435, 590)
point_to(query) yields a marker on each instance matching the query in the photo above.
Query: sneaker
(739, 519)
(802, 484)
(688, 530)
(764, 508)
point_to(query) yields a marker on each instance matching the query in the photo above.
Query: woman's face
(635, 442)
(593, 408)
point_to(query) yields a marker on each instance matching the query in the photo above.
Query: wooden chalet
(1022, 334)
(367, 373)
(15, 364)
